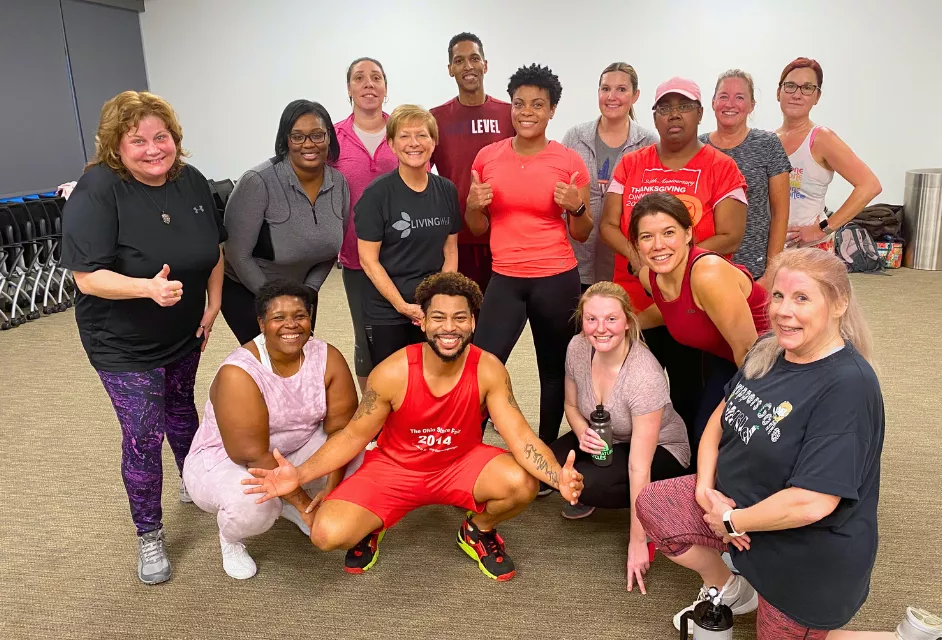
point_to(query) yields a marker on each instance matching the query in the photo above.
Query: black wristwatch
(823, 225)
(578, 212)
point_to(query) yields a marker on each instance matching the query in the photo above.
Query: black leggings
(386, 339)
(608, 487)
(238, 308)
(548, 303)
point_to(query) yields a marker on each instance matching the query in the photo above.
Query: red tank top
(691, 326)
(429, 432)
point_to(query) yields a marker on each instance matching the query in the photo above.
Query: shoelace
(152, 549)
(491, 544)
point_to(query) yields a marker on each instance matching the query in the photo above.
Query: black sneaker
(364, 555)
(487, 549)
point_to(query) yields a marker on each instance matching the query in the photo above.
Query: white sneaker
(236, 560)
(184, 494)
(290, 512)
(738, 595)
(919, 624)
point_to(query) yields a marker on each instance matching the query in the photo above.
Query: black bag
(881, 220)
(854, 246)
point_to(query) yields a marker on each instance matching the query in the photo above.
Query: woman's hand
(480, 195)
(206, 325)
(413, 312)
(333, 480)
(638, 563)
(164, 292)
(720, 504)
(804, 235)
(590, 442)
(567, 195)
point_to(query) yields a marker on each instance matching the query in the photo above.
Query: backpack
(854, 246)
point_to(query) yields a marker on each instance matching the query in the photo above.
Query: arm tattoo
(367, 404)
(510, 394)
(541, 464)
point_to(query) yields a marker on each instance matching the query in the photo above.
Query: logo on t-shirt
(485, 126)
(682, 183)
(743, 404)
(407, 224)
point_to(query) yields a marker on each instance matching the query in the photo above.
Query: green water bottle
(601, 422)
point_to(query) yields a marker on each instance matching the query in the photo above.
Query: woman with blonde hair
(138, 211)
(608, 365)
(788, 478)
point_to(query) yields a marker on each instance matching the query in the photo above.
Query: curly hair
(278, 288)
(536, 76)
(125, 112)
(449, 284)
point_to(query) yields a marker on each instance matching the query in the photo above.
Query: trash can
(922, 219)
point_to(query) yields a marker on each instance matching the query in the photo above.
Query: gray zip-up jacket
(596, 259)
(305, 239)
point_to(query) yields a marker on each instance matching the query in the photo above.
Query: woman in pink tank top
(707, 303)
(282, 394)
(815, 154)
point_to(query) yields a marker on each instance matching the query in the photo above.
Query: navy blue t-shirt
(817, 426)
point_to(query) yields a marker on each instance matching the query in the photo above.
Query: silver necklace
(163, 211)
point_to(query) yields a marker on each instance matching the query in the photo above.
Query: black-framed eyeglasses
(807, 89)
(683, 107)
(318, 137)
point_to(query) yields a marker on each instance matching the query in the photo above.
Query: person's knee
(245, 518)
(644, 505)
(521, 485)
(328, 534)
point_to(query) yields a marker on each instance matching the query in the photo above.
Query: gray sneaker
(153, 565)
(184, 494)
(919, 624)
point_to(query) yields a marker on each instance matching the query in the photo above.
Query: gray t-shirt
(759, 157)
(639, 389)
(606, 158)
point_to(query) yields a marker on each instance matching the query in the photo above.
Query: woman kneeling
(283, 390)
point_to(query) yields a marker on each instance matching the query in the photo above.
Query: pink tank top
(296, 405)
(689, 325)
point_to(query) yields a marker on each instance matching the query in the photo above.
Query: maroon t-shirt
(462, 132)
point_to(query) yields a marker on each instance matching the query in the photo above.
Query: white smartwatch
(729, 524)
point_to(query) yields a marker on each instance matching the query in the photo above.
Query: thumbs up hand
(480, 194)
(570, 480)
(567, 195)
(164, 292)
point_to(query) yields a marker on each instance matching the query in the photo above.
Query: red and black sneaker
(487, 549)
(364, 555)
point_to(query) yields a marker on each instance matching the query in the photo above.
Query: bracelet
(730, 529)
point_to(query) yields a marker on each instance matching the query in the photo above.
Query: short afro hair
(536, 76)
(278, 288)
(449, 284)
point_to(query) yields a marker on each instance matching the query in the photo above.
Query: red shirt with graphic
(462, 132)
(710, 177)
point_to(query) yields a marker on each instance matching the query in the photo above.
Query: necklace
(528, 159)
(163, 211)
(275, 367)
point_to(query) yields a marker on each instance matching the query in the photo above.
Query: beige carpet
(68, 552)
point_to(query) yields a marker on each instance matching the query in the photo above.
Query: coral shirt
(529, 235)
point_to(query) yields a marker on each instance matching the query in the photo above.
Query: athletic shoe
(236, 560)
(153, 565)
(290, 513)
(544, 491)
(919, 624)
(738, 595)
(487, 549)
(364, 555)
(577, 511)
(184, 495)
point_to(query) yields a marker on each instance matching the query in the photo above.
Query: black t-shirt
(816, 426)
(413, 228)
(110, 223)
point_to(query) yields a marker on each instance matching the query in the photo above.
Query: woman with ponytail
(789, 468)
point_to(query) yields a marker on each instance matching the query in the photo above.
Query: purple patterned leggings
(150, 404)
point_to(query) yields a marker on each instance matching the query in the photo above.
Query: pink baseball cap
(684, 87)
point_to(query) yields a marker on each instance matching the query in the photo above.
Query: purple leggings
(150, 404)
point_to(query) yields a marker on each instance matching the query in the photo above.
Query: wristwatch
(823, 225)
(578, 212)
(729, 524)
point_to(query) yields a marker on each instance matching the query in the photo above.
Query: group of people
(668, 249)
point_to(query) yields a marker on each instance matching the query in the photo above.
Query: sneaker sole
(578, 517)
(468, 549)
(358, 570)
(154, 580)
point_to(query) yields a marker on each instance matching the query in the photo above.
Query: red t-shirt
(529, 234)
(462, 132)
(430, 432)
(709, 177)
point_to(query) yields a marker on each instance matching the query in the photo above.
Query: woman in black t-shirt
(789, 466)
(407, 223)
(139, 211)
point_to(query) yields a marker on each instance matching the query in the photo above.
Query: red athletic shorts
(391, 491)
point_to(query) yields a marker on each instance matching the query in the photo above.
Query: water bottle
(601, 422)
(709, 620)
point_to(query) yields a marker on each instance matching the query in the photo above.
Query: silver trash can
(922, 219)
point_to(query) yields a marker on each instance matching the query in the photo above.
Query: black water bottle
(601, 422)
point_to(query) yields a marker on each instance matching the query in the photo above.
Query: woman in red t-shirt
(533, 193)
(708, 304)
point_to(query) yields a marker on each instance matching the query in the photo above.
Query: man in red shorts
(427, 402)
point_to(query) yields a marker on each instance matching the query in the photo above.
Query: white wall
(230, 66)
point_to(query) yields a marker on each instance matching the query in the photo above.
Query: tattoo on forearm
(510, 394)
(530, 452)
(367, 403)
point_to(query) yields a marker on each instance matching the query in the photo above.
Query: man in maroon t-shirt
(466, 124)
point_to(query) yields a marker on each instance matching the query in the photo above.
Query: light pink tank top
(296, 405)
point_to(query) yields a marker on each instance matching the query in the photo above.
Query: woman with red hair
(816, 153)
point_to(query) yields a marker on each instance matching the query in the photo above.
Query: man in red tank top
(427, 402)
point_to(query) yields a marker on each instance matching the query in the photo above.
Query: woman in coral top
(533, 192)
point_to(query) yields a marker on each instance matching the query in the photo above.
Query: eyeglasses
(807, 89)
(683, 107)
(318, 137)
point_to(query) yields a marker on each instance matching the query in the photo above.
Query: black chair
(59, 287)
(11, 276)
(29, 265)
(221, 189)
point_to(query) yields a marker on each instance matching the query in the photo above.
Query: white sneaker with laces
(184, 494)
(236, 560)
(919, 624)
(737, 594)
(290, 512)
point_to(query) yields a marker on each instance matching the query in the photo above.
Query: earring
(386, 100)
